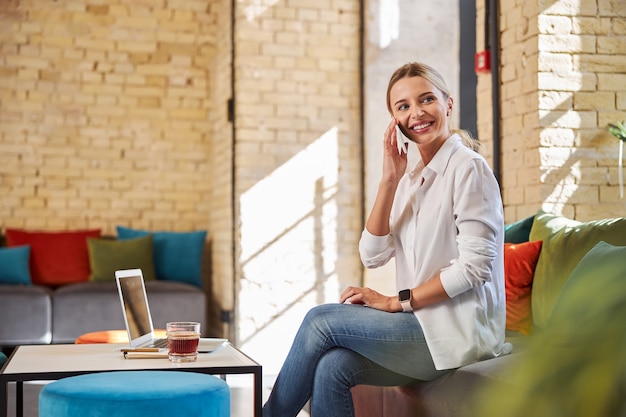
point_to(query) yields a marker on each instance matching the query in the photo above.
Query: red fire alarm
(482, 61)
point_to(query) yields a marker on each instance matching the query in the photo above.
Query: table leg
(4, 404)
(258, 393)
(19, 399)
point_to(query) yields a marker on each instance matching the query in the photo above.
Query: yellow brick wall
(221, 158)
(298, 192)
(562, 81)
(112, 113)
(519, 108)
(104, 114)
(115, 112)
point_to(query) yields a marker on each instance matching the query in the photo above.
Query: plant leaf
(618, 130)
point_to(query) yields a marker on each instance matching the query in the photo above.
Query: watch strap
(405, 297)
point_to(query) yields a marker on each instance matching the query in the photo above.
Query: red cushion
(520, 261)
(56, 257)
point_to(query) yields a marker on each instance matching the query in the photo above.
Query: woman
(443, 224)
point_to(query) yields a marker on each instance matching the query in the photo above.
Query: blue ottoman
(136, 394)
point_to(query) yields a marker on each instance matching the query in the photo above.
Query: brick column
(561, 83)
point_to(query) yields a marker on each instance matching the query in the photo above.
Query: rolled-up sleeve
(375, 250)
(472, 268)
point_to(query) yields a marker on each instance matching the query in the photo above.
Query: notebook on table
(137, 318)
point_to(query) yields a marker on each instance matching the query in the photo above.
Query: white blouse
(447, 219)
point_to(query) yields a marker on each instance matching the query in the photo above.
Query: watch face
(404, 295)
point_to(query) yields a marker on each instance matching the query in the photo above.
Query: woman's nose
(418, 112)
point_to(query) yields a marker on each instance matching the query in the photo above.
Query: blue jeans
(339, 346)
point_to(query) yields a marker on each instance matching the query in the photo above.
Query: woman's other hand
(370, 298)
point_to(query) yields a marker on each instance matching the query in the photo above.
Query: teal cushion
(14, 267)
(177, 255)
(136, 393)
(565, 242)
(107, 256)
(3, 359)
(518, 232)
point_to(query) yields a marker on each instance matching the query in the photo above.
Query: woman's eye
(403, 107)
(428, 99)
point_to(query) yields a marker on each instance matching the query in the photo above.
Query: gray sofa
(573, 354)
(40, 315)
(449, 395)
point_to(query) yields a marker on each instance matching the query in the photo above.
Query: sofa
(566, 308)
(58, 285)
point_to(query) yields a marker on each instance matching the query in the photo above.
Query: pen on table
(141, 350)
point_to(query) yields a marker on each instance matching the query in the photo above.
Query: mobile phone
(401, 140)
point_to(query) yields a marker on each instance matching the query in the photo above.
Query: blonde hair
(416, 69)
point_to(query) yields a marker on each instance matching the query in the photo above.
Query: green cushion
(518, 232)
(107, 256)
(565, 242)
(577, 367)
(14, 267)
(3, 359)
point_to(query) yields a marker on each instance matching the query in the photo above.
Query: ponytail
(469, 141)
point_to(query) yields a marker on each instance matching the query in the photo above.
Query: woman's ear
(450, 105)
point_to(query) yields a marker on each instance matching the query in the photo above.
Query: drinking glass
(182, 340)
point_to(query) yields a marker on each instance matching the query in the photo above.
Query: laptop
(136, 311)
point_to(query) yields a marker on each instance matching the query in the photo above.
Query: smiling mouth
(421, 126)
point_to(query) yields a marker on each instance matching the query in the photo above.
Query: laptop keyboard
(158, 343)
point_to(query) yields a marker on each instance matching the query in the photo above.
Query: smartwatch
(404, 297)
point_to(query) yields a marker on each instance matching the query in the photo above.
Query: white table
(52, 362)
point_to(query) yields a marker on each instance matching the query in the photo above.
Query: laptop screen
(135, 305)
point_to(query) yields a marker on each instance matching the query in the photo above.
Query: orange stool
(110, 336)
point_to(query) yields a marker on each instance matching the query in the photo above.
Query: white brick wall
(297, 173)
(562, 81)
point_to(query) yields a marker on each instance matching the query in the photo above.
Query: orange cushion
(520, 261)
(110, 336)
(56, 258)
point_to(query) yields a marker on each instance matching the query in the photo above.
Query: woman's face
(421, 109)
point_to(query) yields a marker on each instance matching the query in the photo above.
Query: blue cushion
(3, 359)
(14, 267)
(177, 255)
(518, 232)
(136, 393)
